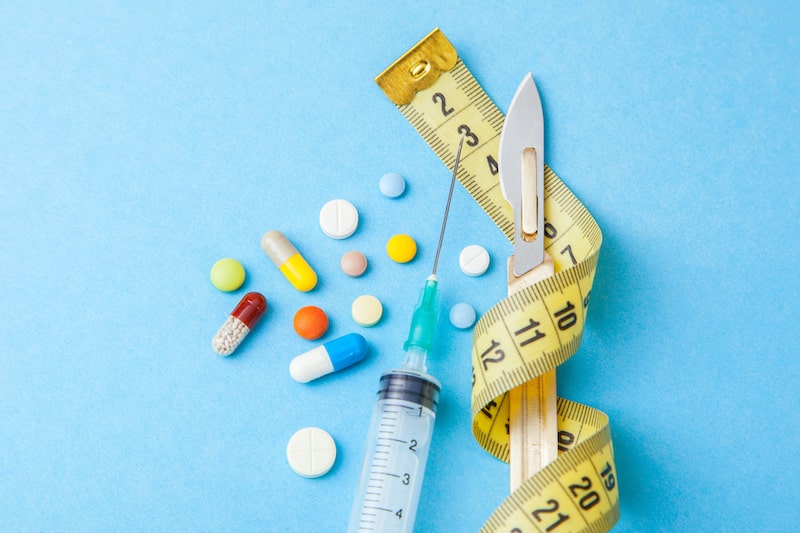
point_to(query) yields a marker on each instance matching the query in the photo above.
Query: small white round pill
(338, 219)
(474, 260)
(311, 452)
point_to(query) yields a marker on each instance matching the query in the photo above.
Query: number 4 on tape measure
(534, 330)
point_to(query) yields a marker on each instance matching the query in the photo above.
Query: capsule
(289, 261)
(243, 318)
(332, 356)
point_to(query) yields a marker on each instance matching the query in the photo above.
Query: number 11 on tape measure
(532, 331)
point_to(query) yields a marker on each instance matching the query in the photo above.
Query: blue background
(138, 145)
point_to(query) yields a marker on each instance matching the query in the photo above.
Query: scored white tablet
(311, 452)
(338, 219)
(474, 260)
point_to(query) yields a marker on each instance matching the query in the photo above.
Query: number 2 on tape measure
(534, 330)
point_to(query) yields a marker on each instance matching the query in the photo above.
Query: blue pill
(462, 316)
(392, 185)
(332, 356)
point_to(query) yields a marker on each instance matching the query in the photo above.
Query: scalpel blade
(521, 167)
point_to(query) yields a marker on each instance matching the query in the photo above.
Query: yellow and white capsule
(289, 261)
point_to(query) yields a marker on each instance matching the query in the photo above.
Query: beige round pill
(354, 263)
(311, 452)
(367, 310)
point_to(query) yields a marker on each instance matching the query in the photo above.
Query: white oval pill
(474, 260)
(338, 219)
(311, 452)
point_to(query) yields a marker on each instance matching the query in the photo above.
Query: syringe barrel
(398, 443)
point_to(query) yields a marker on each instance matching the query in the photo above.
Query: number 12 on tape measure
(534, 330)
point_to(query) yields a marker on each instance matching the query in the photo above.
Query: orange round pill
(310, 322)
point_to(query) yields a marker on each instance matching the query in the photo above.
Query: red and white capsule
(243, 318)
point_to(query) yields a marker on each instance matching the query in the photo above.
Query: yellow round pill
(401, 248)
(227, 274)
(367, 310)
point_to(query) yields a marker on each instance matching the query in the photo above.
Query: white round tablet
(474, 260)
(338, 219)
(311, 452)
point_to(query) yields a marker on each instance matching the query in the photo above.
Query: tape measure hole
(419, 70)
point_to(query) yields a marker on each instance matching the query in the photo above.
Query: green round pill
(227, 274)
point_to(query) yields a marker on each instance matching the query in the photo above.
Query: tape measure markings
(495, 419)
(442, 108)
(516, 350)
(592, 456)
(475, 103)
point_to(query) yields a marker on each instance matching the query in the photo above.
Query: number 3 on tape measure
(534, 330)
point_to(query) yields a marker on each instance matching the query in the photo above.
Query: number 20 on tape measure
(535, 329)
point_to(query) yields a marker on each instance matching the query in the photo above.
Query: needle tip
(447, 206)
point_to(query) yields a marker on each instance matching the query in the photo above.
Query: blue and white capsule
(332, 356)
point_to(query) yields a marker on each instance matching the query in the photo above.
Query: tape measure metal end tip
(418, 69)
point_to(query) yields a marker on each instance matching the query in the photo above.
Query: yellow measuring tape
(533, 330)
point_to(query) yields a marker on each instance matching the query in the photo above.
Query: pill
(401, 248)
(310, 322)
(392, 185)
(289, 261)
(354, 263)
(227, 274)
(338, 219)
(311, 452)
(332, 356)
(474, 260)
(462, 315)
(243, 319)
(366, 310)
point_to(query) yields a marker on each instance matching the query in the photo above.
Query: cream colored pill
(367, 310)
(474, 260)
(311, 452)
(338, 219)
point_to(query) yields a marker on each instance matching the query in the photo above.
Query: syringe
(400, 431)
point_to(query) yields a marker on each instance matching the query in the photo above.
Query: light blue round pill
(462, 315)
(392, 185)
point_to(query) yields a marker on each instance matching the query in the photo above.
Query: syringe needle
(423, 321)
(447, 206)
